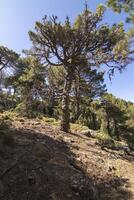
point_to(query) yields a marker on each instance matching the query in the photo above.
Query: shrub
(51, 121)
(78, 127)
(9, 116)
(30, 111)
(105, 140)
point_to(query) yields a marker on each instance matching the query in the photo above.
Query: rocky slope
(44, 163)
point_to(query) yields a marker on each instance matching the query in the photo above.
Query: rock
(126, 149)
(77, 182)
(72, 141)
(89, 133)
(93, 133)
(69, 140)
(107, 185)
(113, 156)
(36, 123)
(91, 194)
(121, 148)
(110, 167)
(80, 184)
(86, 133)
(22, 120)
(100, 160)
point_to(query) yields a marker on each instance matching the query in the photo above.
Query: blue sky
(17, 17)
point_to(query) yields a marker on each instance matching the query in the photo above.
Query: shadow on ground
(43, 167)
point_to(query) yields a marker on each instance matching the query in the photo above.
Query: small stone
(86, 133)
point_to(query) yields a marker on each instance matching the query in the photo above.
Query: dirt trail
(46, 163)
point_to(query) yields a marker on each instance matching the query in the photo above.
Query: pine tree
(126, 5)
(8, 58)
(86, 41)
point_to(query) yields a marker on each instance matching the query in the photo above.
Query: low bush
(78, 127)
(105, 140)
(24, 111)
(51, 121)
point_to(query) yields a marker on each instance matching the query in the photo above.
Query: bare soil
(47, 164)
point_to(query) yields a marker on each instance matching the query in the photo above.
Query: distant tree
(86, 41)
(28, 81)
(114, 114)
(12, 79)
(31, 80)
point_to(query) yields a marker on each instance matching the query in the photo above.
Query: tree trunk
(108, 125)
(116, 130)
(65, 116)
(77, 94)
(77, 108)
(94, 121)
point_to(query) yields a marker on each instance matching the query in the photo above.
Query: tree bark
(77, 94)
(77, 108)
(65, 116)
(94, 121)
(116, 130)
(108, 125)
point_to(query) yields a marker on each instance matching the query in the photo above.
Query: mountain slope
(45, 163)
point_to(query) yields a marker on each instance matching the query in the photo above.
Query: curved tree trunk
(65, 116)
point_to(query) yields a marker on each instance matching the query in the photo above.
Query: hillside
(43, 162)
(63, 136)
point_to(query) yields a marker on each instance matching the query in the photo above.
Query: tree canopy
(87, 43)
(8, 58)
(125, 5)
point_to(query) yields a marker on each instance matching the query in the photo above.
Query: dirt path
(46, 163)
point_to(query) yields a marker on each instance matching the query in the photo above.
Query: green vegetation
(62, 135)
(80, 48)
(125, 5)
(61, 79)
